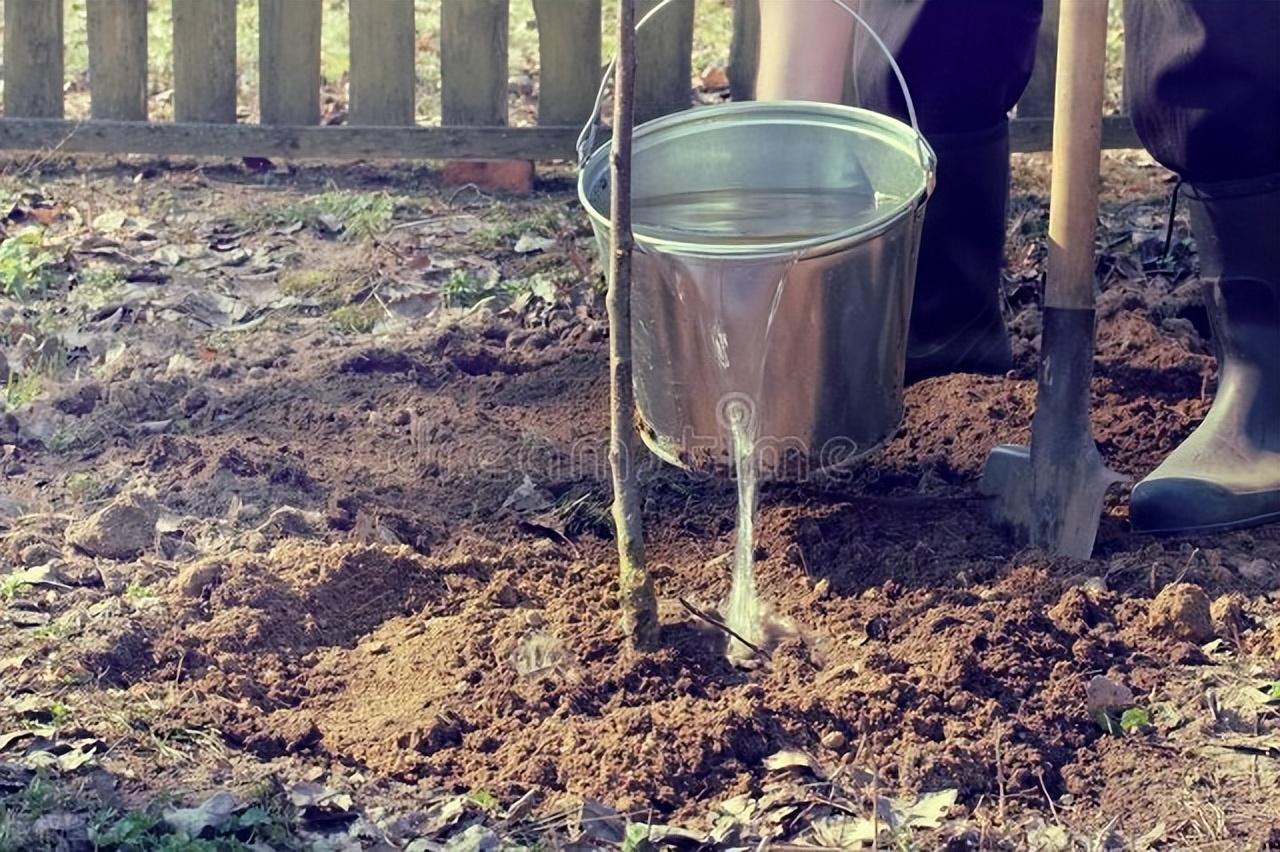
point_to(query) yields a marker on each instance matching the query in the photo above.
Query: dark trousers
(1202, 80)
(1202, 77)
(965, 61)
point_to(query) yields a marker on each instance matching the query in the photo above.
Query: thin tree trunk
(638, 605)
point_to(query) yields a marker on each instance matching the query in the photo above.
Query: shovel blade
(1068, 492)
(1058, 510)
(1006, 479)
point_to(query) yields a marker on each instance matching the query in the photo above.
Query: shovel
(1052, 493)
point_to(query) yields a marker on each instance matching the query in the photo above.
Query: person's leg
(1203, 80)
(967, 63)
(804, 48)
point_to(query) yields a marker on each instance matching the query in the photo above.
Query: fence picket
(382, 62)
(289, 61)
(664, 53)
(204, 61)
(33, 58)
(569, 59)
(473, 62)
(117, 59)
(744, 52)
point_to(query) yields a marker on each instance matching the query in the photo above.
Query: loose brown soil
(408, 622)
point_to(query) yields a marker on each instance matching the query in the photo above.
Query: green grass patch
(54, 630)
(96, 284)
(12, 587)
(138, 593)
(350, 215)
(357, 319)
(311, 283)
(502, 225)
(461, 290)
(265, 821)
(82, 485)
(22, 389)
(25, 264)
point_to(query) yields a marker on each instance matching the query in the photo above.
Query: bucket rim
(811, 247)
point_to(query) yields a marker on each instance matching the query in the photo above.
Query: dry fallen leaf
(529, 243)
(111, 220)
(527, 497)
(927, 811)
(213, 813)
(46, 215)
(793, 759)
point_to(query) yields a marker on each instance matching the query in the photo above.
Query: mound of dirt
(1182, 611)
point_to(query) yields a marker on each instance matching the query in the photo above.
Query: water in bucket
(747, 215)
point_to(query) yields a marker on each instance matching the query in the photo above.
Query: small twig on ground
(722, 559)
(39, 158)
(719, 625)
(875, 811)
(413, 223)
(804, 563)
(1053, 809)
(471, 186)
(1000, 805)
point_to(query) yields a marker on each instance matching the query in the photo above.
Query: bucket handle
(587, 138)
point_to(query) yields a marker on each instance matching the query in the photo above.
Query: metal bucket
(806, 330)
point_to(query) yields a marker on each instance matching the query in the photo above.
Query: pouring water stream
(746, 217)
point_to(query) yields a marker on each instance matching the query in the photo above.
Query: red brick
(514, 176)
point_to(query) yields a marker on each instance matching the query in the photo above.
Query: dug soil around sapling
(370, 466)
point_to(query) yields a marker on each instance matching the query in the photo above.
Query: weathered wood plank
(382, 62)
(33, 58)
(744, 52)
(204, 60)
(1031, 135)
(339, 143)
(117, 32)
(333, 143)
(569, 59)
(1037, 98)
(473, 62)
(664, 53)
(289, 61)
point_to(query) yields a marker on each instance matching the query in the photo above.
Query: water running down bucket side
(637, 603)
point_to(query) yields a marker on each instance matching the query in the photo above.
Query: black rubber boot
(956, 325)
(1227, 473)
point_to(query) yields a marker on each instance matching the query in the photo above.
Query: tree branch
(637, 602)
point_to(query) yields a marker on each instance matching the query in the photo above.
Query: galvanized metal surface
(809, 330)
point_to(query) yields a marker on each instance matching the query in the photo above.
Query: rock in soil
(1229, 616)
(1181, 611)
(833, 740)
(8, 429)
(79, 402)
(122, 530)
(39, 553)
(193, 579)
(1103, 694)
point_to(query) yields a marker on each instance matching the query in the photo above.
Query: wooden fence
(473, 73)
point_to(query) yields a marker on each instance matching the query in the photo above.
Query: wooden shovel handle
(1077, 150)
